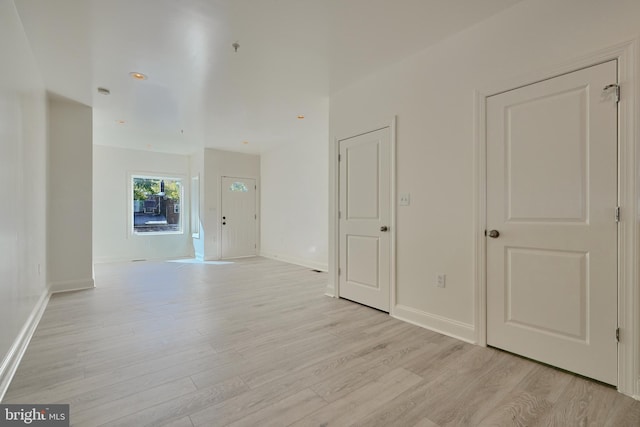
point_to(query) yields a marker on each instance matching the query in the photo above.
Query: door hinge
(339, 157)
(339, 271)
(617, 213)
(617, 88)
(255, 216)
(339, 214)
(617, 334)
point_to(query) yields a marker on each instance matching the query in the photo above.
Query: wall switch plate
(441, 280)
(405, 199)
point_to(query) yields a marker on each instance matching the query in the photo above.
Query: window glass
(157, 204)
(239, 186)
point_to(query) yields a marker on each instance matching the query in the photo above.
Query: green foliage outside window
(145, 187)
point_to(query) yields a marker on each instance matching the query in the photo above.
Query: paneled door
(238, 217)
(552, 221)
(364, 219)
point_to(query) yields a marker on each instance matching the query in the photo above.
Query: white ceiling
(199, 92)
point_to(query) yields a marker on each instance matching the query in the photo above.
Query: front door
(238, 217)
(551, 221)
(365, 212)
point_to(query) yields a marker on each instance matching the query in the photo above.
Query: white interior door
(365, 212)
(552, 196)
(238, 217)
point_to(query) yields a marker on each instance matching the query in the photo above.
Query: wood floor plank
(179, 407)
(361, 402)
(425, 422)
(131, 404)
(284, 412)
(182, 422)
(531, 400)
(583, 402)
(256, 342)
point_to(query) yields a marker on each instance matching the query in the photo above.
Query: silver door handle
(494, 234)
(384, 228)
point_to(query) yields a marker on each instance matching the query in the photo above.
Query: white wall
(294, 202)
(23, 166)
(218, 163)
(113, 239)
(69, 250)
(432, 94)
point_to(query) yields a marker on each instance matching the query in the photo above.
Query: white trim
(334, 204)
(185, 184)
(330, 291)
(394, 204)
(194, 202)
(13, 357)
(297, 261)
(112, 260)
(480, 206)
(333, 289)
(71, 285)
(440, 324)
(628, 294)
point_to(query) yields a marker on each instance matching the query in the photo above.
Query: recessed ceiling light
(104, 91)
(121, 122)
(301, 116)
(245, 142)
(138, 76)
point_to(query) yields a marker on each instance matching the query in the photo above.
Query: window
(239, 186)
(157, 203)
(195, 207)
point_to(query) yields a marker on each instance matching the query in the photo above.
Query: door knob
(224, 223)
(493, 234)
(384, 228)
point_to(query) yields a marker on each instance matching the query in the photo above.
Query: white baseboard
(298, 261)
(111, 260)
(71, 285)
(442, 325)
(14, 356)
(330, 291)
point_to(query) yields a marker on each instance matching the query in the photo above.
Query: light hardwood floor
(256, 343)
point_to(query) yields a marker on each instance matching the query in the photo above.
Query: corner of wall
(330, 291)
(71, 285)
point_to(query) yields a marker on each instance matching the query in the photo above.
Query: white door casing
(365, 219)
(552, 196)
(238, 217)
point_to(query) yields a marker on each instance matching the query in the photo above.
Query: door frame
(219, 214)
(333, 289)
(628, 168)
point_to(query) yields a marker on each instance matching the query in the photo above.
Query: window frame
(130, 203)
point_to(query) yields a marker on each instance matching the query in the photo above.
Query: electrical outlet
(405, 199)
(441, 280)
